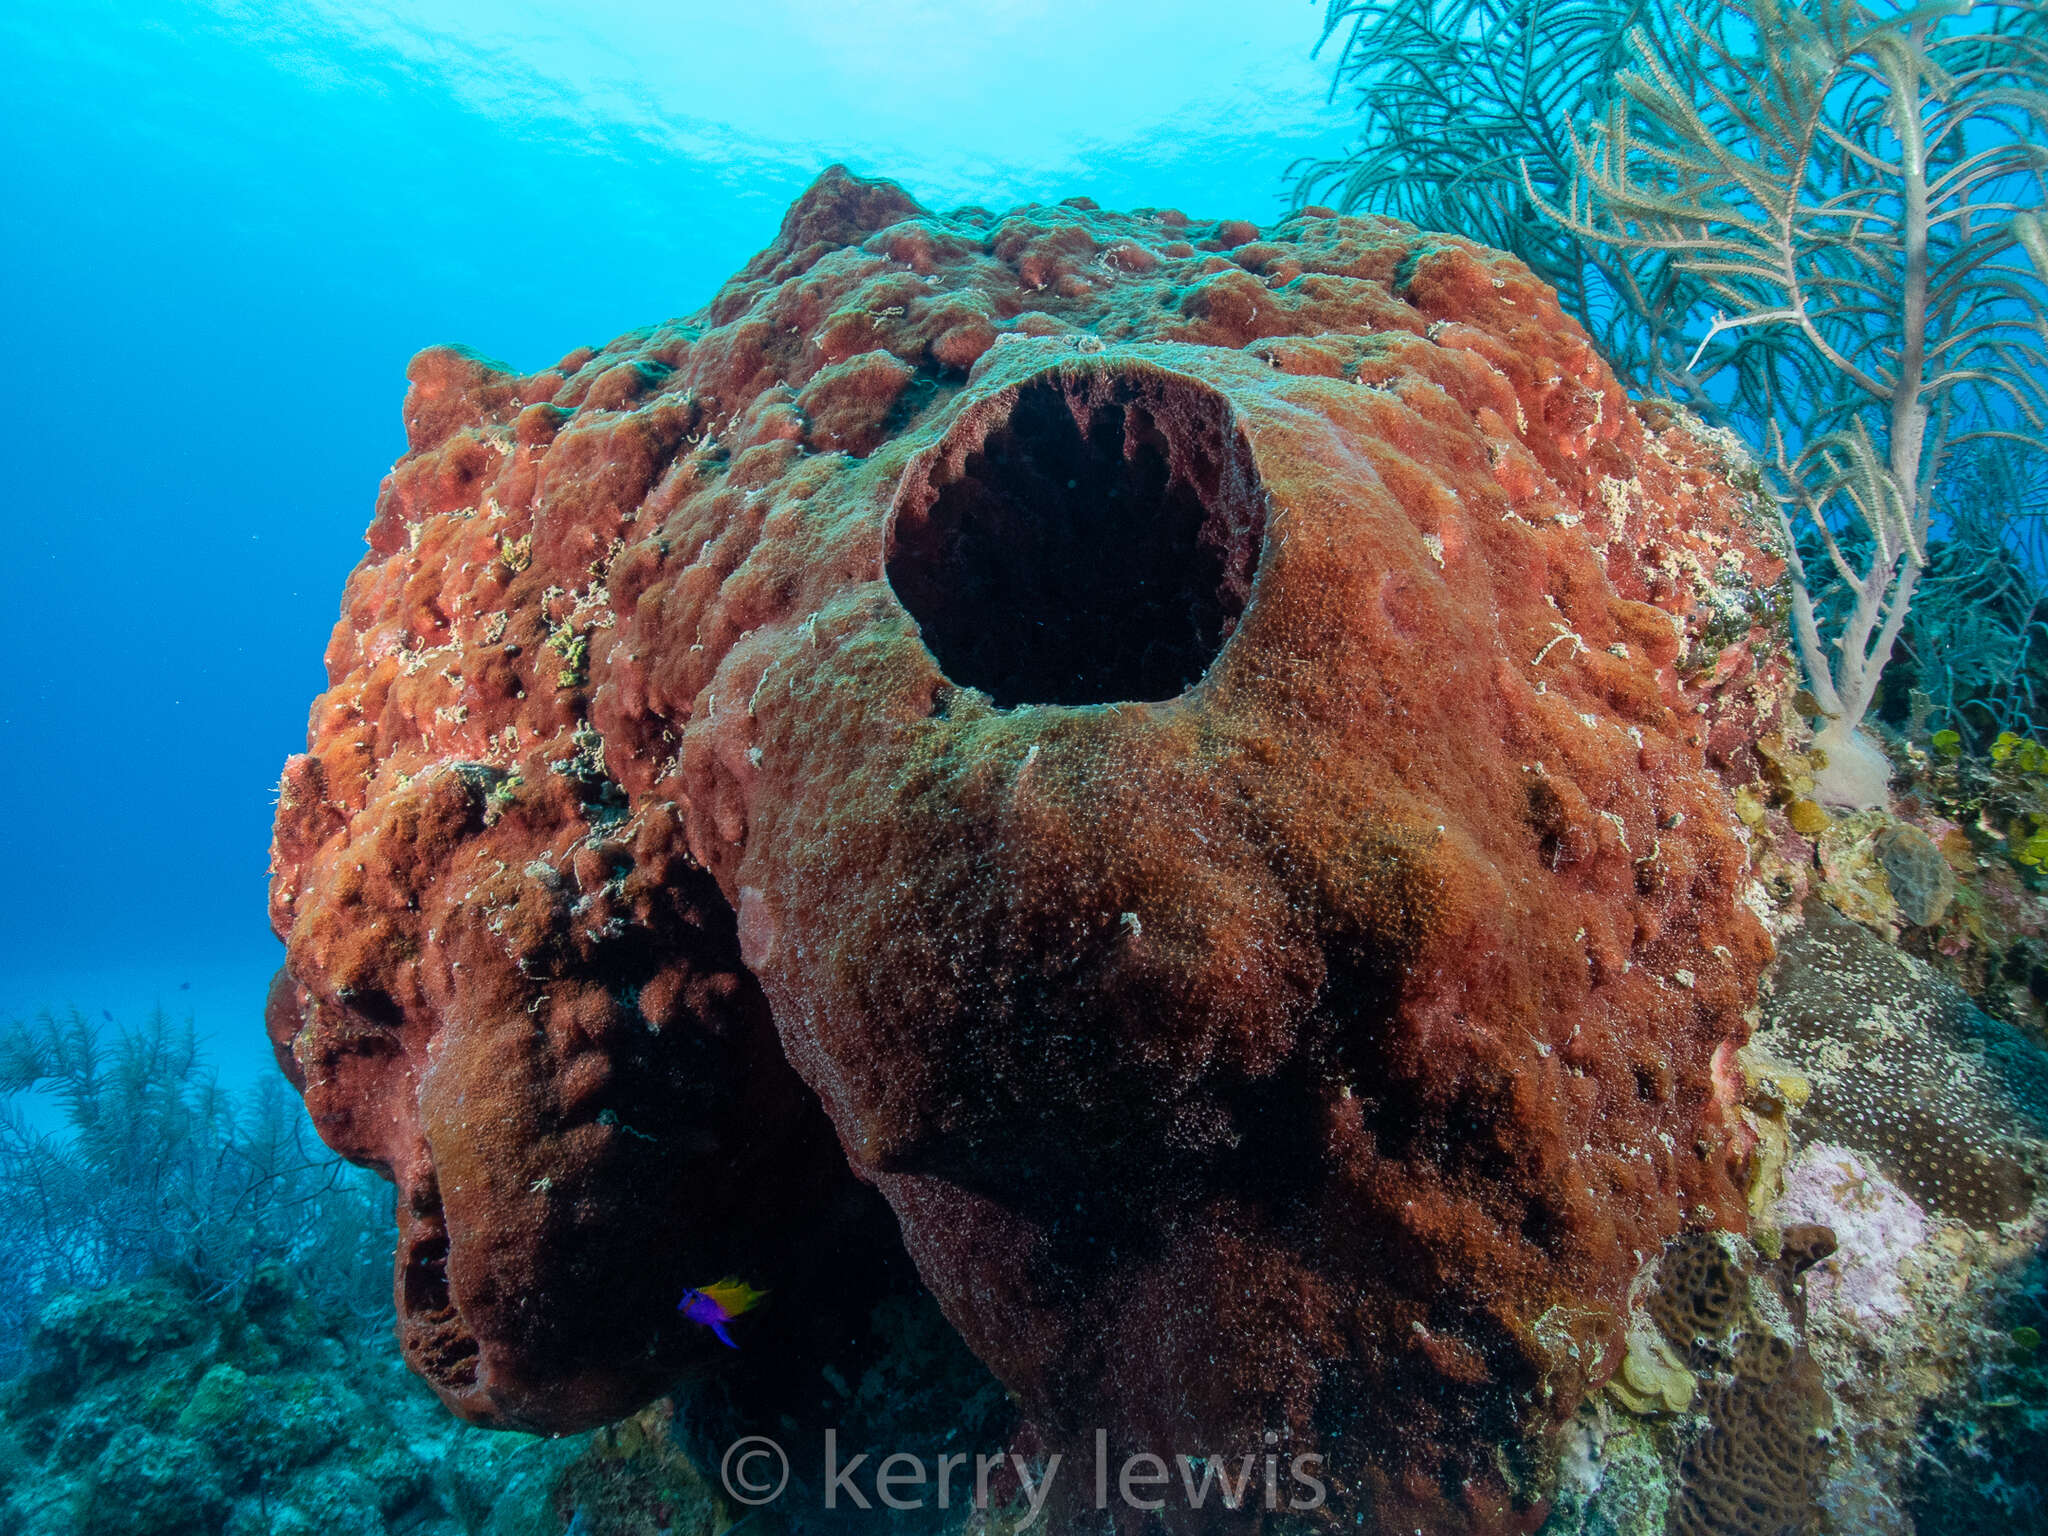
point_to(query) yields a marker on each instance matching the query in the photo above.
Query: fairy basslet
(716, 1305)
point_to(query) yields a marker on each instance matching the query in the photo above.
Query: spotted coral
(1907, 1070)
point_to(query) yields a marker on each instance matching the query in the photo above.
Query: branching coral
(1840, 201)
(1859, 184)
(1464, 109)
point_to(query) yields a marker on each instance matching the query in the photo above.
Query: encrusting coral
(1897, 1056)
(1204, 744)
(1753, 1464)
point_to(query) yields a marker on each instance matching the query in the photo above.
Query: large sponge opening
(1088, 537)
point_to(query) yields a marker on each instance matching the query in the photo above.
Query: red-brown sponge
(1198, 740)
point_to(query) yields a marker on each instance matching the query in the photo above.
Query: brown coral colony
(1189, 742)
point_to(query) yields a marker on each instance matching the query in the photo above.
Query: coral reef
(1921, 1145)
(1988, 815)
(1921, 882)
(1736, 1442)
(1756, 1468)
(147, 1409)
(1899, 1214)
(148, 1412)
(1984, 1467)
(1200, 746)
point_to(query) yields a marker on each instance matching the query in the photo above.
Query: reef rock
(1202, 741)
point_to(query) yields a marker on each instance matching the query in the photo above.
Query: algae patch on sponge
(1188, 740)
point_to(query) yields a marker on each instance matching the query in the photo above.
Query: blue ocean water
(229, 224)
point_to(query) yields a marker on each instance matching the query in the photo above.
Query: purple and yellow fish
(716, 1305)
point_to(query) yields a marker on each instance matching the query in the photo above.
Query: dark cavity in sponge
(1093, 543)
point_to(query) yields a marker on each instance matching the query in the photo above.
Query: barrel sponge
(1193, 743)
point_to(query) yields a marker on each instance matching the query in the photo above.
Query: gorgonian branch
(1818, 221)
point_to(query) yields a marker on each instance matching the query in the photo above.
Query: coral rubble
(1203, 748)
